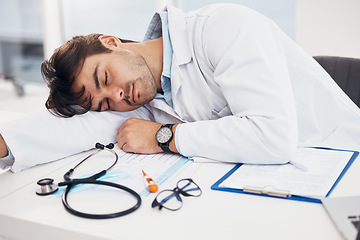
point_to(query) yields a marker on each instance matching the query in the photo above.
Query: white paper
(323, 169)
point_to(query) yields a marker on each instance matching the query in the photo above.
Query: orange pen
(150, 183)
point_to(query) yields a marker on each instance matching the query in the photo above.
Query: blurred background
(31, 29)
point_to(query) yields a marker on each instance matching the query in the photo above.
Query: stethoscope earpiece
(110, 146)
(102, 146)
(47, 186)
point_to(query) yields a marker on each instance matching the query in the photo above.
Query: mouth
(131, 97)
(133, 94)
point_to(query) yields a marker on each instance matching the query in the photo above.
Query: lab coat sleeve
(43, 137)
(245, 52)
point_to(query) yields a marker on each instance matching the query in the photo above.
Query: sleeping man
(222, 82)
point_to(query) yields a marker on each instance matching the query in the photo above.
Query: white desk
(214, 215)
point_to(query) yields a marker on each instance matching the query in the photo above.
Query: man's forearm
(3, 148)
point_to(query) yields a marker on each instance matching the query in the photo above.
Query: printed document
(314, 179)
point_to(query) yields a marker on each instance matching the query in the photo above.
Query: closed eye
(106, 82)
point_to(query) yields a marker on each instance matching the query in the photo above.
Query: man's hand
(138, 136)
(3, 148)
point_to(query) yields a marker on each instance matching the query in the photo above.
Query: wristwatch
(163, 137)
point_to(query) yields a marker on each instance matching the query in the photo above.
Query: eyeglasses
(171, 200)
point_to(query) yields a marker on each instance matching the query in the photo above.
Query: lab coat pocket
(225, 111)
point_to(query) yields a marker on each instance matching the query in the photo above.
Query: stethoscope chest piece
(47, 186)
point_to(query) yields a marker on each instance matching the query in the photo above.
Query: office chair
(346, 73)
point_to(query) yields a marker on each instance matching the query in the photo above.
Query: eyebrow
(97, 85)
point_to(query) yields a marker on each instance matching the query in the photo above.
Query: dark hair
(60, 71)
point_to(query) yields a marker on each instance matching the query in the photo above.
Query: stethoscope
(47, 186)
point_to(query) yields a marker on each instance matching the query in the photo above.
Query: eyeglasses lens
(189, 188)
(169, 199)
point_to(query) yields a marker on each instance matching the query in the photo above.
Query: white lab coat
(251, 94)
(242, 91)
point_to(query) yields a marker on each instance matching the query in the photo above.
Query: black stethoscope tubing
(74, 182)
(70, 183)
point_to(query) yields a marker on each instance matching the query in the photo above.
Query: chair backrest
(345, 72)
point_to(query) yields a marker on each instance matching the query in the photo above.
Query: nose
(116, 94)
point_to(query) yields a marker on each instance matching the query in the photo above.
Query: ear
(109, 41)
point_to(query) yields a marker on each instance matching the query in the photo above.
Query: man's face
(118, 81)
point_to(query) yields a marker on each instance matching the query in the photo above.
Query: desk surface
(214, 215)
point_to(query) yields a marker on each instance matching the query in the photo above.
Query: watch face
(163, 135)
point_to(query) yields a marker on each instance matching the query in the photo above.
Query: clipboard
(283, 194)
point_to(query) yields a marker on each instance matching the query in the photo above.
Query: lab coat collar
(179, 35)
(177, 31)
(181, 55)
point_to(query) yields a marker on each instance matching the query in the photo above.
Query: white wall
(320, 27)
(329, 27)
